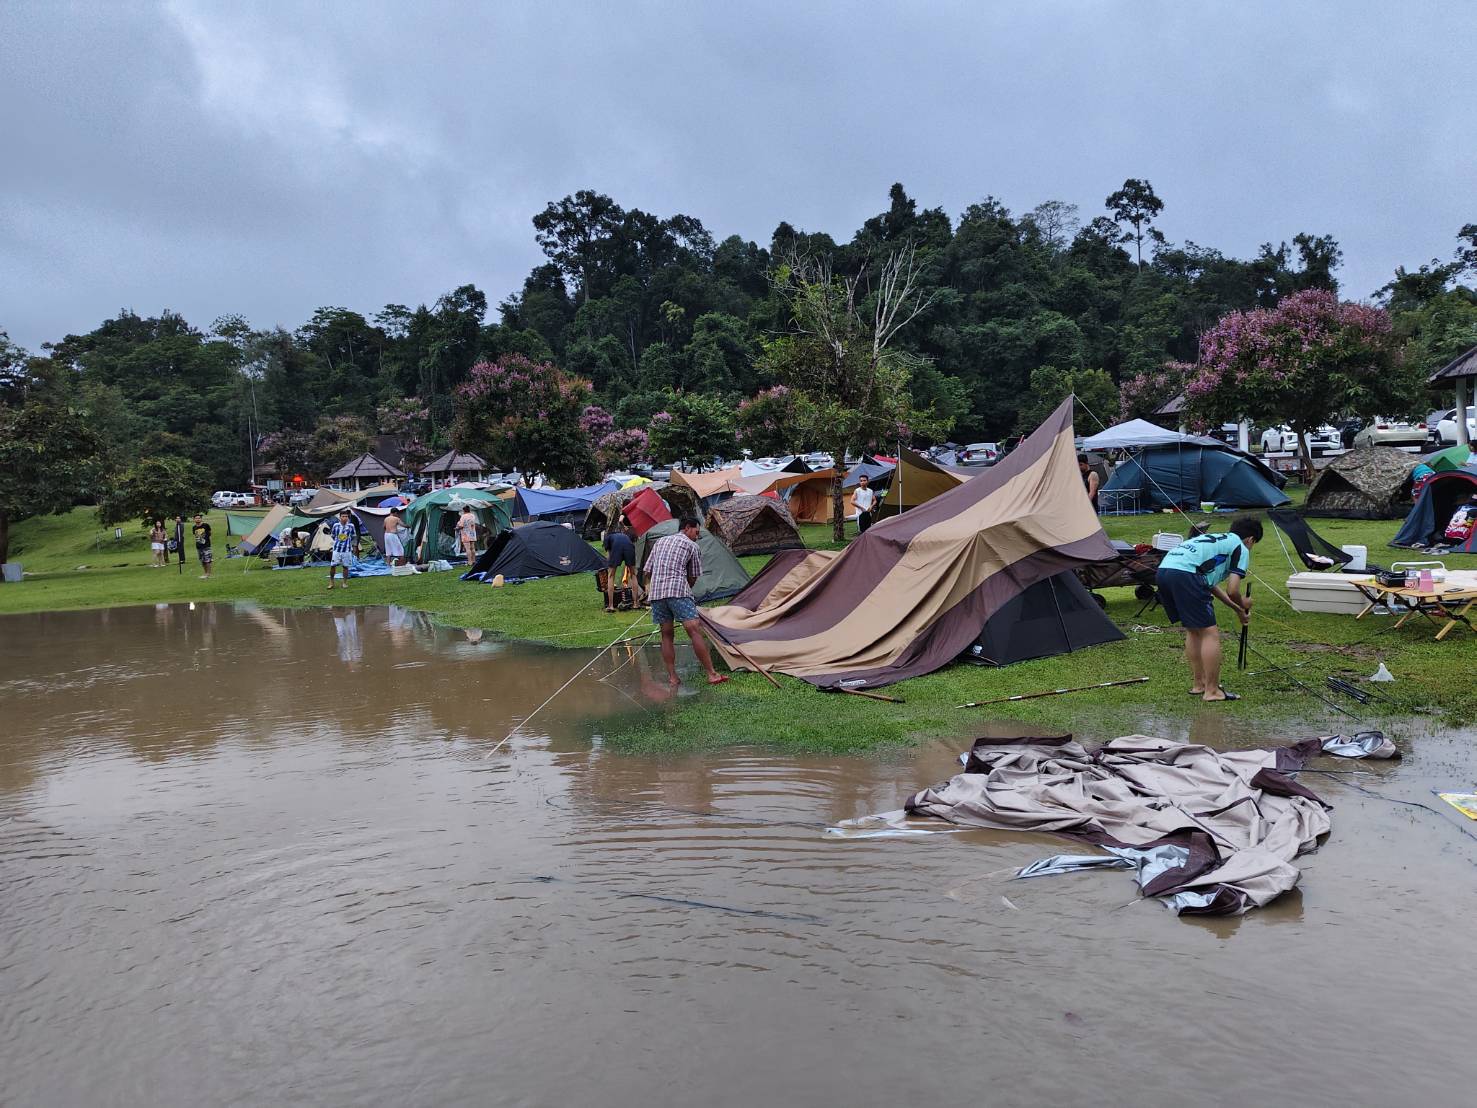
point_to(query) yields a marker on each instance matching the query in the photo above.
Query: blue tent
(1443, 494)
(561, 505)
(1181, 475)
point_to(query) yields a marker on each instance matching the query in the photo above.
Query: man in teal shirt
(1190, 575)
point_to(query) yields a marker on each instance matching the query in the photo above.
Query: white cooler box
(1326, 592)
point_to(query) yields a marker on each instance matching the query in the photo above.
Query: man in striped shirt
(673, 568)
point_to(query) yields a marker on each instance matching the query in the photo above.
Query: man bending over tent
(1190, 575)
(674, 567)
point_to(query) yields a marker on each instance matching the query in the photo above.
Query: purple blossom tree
(525, 415)
(1307, 360)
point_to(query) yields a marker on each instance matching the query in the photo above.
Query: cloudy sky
(268, 158)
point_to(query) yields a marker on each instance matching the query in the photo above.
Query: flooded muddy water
(252, 856)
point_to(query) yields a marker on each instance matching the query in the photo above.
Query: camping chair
(1316, 552)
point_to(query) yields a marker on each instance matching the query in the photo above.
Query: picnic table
(1444, 600)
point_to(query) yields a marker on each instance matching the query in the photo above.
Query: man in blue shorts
(620, 551)
(1199, 569)
(672, 570)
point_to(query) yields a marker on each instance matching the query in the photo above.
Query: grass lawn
(1435, 680)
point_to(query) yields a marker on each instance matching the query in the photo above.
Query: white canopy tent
(1134, 433)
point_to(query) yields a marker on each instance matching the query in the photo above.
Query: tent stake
(740, 651)
(1052, 692)
(871, 695)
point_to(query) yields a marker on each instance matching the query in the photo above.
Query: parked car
(1392, 432)
(302, 496)
(224, 499)
(1325, 439)
(1446, 429)
(1350, 427)
(980, 454)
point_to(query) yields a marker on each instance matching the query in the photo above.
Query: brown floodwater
(254, 856)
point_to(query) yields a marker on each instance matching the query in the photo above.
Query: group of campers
(164, 541)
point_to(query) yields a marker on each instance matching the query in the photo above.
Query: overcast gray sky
(268, 158)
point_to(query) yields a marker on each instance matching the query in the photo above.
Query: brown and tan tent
(754, 525)
(810, 499)
(919, 588)
(708, 487)
(916, 480)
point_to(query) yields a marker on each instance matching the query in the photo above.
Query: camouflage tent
(1372, 482)
(754, 525)
(681, 501)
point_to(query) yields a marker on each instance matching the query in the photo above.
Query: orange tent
(810, 498)
(704, 485)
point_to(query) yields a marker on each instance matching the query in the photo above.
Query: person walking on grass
(394, 539)
(864, 499)
(672, 570)
(620, 551)
(1203, 568)
(201, 531)
(345, 538)
(466, 533)
(156, 544)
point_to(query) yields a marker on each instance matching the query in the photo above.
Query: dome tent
(754, 525)
(435, 514)
(1442, 496)
(534, 550)
(1372, 482)
(722, 575)
(1181, 475)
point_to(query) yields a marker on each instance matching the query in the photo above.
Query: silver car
(1391, 432)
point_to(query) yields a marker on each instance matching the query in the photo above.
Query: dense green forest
(658, 317)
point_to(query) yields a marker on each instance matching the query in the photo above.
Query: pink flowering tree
(622, 449)
(597, 422)
(766, 422)
(525, 415)
(1143, 394)
(1303, 362)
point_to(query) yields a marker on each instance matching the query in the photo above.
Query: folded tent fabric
(914, 591)
(1228, 825)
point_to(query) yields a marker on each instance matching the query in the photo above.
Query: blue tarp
(1443, 494)
(1183, 475)
(543, 503)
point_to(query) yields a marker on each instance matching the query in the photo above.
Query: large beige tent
(918, 588)
(706, 486)
(916, 480)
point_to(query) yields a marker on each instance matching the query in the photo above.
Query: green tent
(436, 514)
(1452, 458)
(722, 575)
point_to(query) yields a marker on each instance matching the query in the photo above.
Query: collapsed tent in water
(754, 525)
(1443, 496)
(1371, 482)
(534, 550)
(1209, 832)
(722, 575)
(916, 590)
(1185, 474)
(431, 520)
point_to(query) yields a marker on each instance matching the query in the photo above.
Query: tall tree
(49, 459)
(1136, 205)
(849, 379)
(525, 415)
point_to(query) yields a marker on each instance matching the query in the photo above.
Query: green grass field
(1436, 680)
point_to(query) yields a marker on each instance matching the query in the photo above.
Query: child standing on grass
(345, 539)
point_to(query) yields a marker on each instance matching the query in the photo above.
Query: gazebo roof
(452, 462)
(1172, 407)
(1463, 365)
(366, 465)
